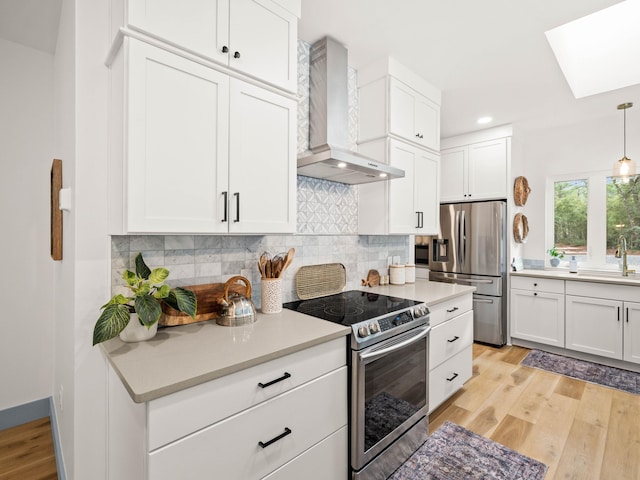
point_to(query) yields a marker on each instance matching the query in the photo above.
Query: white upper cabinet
(413, 116)
(407, 205)
(195, 151)
(255, 37)
(476, 171)
(396, 102)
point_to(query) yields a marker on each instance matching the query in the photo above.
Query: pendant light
(625, 167)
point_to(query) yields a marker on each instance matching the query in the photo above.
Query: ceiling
(488, 57)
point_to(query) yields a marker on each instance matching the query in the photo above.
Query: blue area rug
(613, 377)
(455, 453)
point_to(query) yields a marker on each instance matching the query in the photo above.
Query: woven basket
(520, 228)
(314, 281)
(521, 191)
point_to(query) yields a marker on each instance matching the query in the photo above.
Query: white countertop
(582, 276)
(425, 291)
(184, 356)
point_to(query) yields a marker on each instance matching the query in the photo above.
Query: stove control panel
(390, 322)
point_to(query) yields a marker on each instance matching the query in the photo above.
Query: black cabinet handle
(535, 284)
(225, 49)
(287, 431)
(627, 314)
(226, 205)
(452, 310)
(452, 378)
(236, 55)
(268, 384)
(421, 219)
(535, 294)
(454, 339)
(618, 313)
(237, 195)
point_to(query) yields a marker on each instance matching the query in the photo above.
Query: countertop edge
(581, 276)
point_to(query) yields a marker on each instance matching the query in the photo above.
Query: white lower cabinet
(450, 348)
(255, 442)
(537, 310)
(594, 325)
(234, 429)
(632, 332)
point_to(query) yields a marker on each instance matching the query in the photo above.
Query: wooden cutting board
(208, 296)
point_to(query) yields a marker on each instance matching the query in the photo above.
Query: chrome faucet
(621, 252)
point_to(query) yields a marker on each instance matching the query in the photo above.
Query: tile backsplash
(327, 226)
(197, 259)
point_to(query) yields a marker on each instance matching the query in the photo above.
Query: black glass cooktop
(351, 307)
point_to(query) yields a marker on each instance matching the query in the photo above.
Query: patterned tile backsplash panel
(327, 229)
(197, 259)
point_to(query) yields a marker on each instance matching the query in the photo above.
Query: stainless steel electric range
(388, 354)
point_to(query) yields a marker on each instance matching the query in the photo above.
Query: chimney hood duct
(329, 157)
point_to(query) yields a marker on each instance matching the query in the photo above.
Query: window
(623, 216)
(590, 213)
(570, 216)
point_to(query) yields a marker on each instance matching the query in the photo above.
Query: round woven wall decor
(521, 191)
(520, 228)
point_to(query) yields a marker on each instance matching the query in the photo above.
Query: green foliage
(554, 252)
(148, 291)
(570, 213)
(623, 212)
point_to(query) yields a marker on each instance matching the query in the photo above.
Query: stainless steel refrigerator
(471, 250)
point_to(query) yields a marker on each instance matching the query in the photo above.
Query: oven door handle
(378, 353)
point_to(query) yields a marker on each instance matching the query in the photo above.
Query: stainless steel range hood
(329, 156)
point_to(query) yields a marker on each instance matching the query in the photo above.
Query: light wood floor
(26, 452)
(579, 430)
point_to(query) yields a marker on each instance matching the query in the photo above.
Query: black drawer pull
(452, 310)
(286, 432)
(454, 339)
(452, 378)
(268, 384)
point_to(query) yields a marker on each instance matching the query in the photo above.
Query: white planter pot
(136, 332)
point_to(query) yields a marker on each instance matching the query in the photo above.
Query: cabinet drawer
(603, 290)
(449, 338)
(550, 285)
(184, 412)
(230, 449)
(326, 460)
(444, 311)
(449, 377)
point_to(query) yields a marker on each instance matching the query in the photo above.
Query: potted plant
(143, 309)
(556, 256)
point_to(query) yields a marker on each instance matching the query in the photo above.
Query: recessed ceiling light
(599, 53)
(483, 120)
(342, 165)
(383, 175)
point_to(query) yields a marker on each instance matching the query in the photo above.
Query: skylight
(599, 53)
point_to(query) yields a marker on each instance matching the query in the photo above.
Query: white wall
(579, 148)
(82, 278)
(64, 149)
(27, 323)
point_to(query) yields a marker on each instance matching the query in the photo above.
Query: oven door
(389, 392)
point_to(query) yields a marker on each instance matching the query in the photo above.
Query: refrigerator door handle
(458, 237)
(463, 236)
(472, 280)
(482, 300)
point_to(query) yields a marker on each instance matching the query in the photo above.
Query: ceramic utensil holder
(271, 295)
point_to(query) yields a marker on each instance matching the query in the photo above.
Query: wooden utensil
(262, 265)
(288, 258)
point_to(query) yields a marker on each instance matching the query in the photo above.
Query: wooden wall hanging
(520, 228)
(521, 191)
(56, 213)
